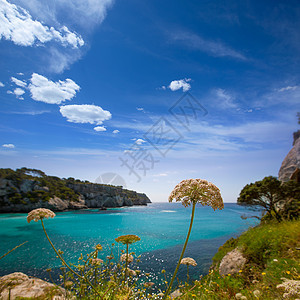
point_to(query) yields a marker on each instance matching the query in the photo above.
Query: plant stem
(127, 250)
(182, 252)
(13, 249)
(63, 261)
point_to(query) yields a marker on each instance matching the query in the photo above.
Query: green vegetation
(280, 200)
(272, 252)
(40, 186)
(31, 186)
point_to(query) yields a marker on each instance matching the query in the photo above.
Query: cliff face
(98, 195)
(290, 167)
(19, 193)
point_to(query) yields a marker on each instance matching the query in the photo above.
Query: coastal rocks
(175, 294)
(99, 195)
(232, 262)
(19, 194)
(19, 285)
(290, 167)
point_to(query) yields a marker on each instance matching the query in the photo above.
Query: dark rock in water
(290, 167)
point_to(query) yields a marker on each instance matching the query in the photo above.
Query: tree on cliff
(265, 193)
(268, 192)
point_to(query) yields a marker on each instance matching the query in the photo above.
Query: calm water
(162, 228)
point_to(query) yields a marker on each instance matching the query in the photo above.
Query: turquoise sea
(162, 228)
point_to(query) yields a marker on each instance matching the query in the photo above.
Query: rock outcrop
(232, 262)
(99, 195)
(19, 285)
(20, 192)
(290, 167)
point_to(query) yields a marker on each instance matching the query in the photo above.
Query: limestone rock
(290, 167)
(58, 204)
(232, 262)
(15, 196)
(18, 284)
(175, 294)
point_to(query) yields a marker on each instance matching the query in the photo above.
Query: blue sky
(154, 91)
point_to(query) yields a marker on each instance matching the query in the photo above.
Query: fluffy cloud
(1, 84)
(99, 128)
(91, 12)
(18, 82)
(17, 25)
(139, 141)
(9, 146)
(178, 84)
(116, 131)
(47, 91)
(18, 92)
(85, 114)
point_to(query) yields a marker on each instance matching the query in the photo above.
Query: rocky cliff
(99, 195)
(26, 189)
(290, 167)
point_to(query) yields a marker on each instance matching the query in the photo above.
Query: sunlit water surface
(162, 228)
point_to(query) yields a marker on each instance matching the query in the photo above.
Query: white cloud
(139, 141)
(288, 88)
(1, 84)
(31, 113)
(47, 91)
(178, 84)
(213, 48)
(99, 128)
(61, 59)
(91, 12)
(140, 109)
(19, 92)
(251, 132)
(226, 100)
(17, 25)
(9, 146)
(116, 131)
(160, 175)
(9, 92)
(18, 82)
(85, 114)
(20, 74)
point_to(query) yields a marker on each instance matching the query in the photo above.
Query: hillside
(26, 189)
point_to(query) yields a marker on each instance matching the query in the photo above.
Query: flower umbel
(127, 239)
(39, 214)
(291, 288)
(197, 191)
(129, 258)
(96, 261)
(191, 192)
(188, 261)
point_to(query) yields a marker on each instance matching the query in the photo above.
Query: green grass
(271, 252)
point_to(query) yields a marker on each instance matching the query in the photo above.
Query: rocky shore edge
(26, 189)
